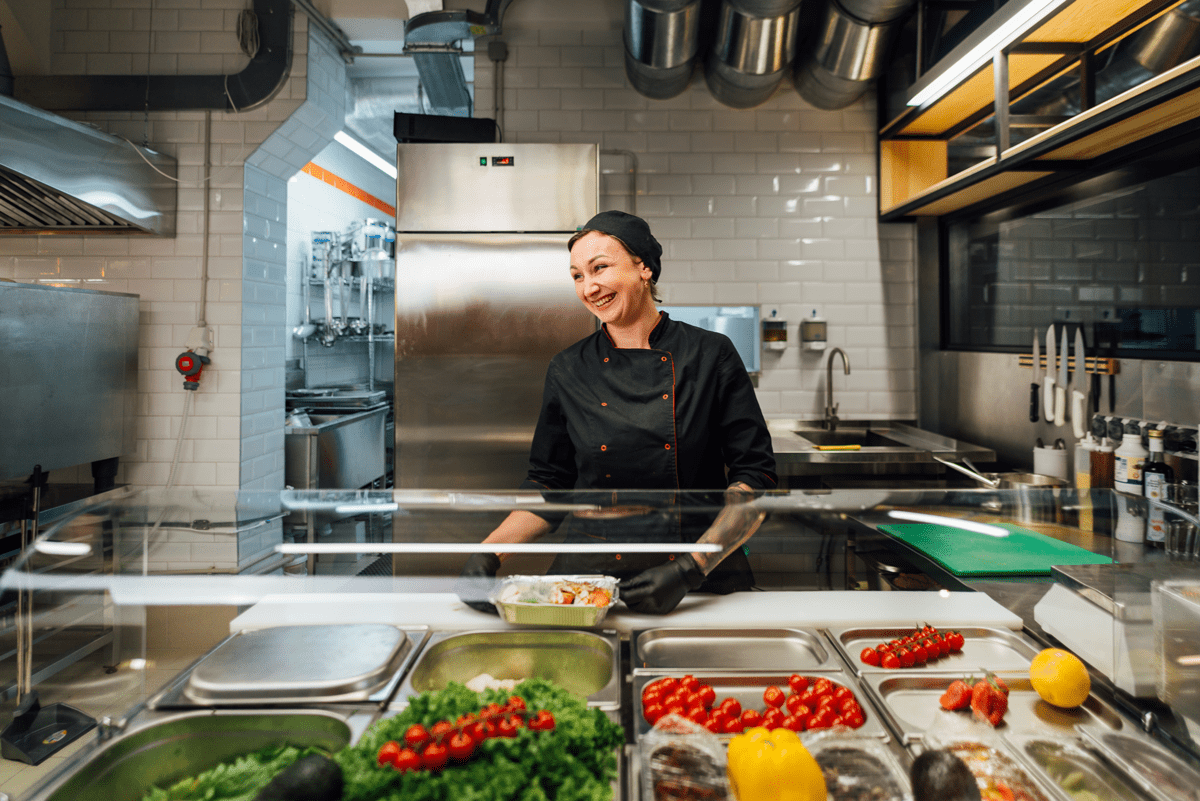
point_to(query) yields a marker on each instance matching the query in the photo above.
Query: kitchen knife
(1060, 389)
(1079, 393)
(1037, 378)
(1048, 391)
(1096, 374)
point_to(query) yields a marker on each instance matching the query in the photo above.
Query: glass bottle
(1157, 475)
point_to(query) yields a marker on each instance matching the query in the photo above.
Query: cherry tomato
(434, 756)
(838, 720)
(773, 696)
(733, 726)
(955, 641)
(773, 719)
(883, 648)
(890, 661)
(794, 705)
(813, 721)
(461, 746)
(515, 704)
(718, 719)
(406, 761)
(491, 711)
(920, 653)
(508, 727)
(794, 722)
(936, 641)
(464, 721)
(680, 696)
(731, 707)
(848, 705)
(841, 693)
(668, 684)
(870, 657)
(906, 657)
(895, 643)
(388, 752)
(542, 721)
(707, 695)
(823, 685)
(695, 701)
(653, 712)
(415, 735)
(689, 683)
(440, 729)
(675, 709)
(751, 718)
(854, 719)
(490, 730)
(696, 714)
(714, 725)
(825, 718)
(797, 683)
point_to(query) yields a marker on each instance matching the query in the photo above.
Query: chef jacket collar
(656, 333)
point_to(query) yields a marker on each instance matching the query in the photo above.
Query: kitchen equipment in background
(774, 332)
(1060, 389)
(1183, 537)
(1037, 379)
(1052, 461)
(739, 323)
(1130, 454)
(1079, 391)
(1051, 364)
(483, 302)
(814, 332)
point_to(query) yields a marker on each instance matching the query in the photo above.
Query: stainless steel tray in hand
(745, 650)
(748, 690)
(584, 662)
(983, 648)
(909, 701)
(321, 664)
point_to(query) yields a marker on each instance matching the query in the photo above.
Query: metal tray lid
(313, 663)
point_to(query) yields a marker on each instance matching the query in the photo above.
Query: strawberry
(999, 707)
(999, 682)
(957, 695)
(981, 698)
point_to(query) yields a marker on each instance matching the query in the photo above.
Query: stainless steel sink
(849, 436)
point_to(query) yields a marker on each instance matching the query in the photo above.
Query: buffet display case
(323, 661)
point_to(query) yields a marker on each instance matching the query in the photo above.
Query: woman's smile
(610, 282)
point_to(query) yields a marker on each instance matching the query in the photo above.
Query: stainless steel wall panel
(478, 318)
(460, 187)
(68, 376)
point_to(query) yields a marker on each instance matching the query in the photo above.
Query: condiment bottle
(1130, 455)
(1102, 465)
(1157, 475)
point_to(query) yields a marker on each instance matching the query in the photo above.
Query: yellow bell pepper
(773, 766)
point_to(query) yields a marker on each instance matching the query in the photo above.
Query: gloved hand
(659, 589)
(476, 581)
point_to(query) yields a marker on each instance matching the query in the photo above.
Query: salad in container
(554, 600)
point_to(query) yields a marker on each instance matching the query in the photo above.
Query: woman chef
(645, 403)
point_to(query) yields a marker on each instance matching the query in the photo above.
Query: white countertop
(821, 609)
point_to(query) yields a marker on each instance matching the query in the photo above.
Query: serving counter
(740, 643)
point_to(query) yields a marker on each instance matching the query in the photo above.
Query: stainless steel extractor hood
(59, 176)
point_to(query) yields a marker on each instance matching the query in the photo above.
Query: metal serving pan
(584, 662)
(1070, 764)
(743, 650)
(909, 703)
(983, 647)
(1157, 771)
(748, 690)
(324, 664)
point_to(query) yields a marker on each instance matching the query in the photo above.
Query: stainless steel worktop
(883, 446)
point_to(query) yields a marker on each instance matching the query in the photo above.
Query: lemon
(1060, 678)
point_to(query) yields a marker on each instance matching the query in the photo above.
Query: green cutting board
(968, 553)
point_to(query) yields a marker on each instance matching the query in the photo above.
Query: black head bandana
(634, 232)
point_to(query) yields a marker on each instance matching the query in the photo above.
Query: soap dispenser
(774, 332)
(813, 332)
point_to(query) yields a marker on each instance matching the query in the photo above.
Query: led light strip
(494, 547)
(1008, 32)
(366, 153)
(953, 522)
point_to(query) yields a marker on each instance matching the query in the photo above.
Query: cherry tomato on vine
(388, 752)
(434, 756)
(407, 760)
(415, 735)
(870, 657)
(461, 746)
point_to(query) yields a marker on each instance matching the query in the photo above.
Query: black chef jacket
(681, 416)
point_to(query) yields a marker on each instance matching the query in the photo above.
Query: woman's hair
(582, 232)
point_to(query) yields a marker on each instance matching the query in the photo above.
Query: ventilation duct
(431, 38)
(754, 43)
(662, 39)
(850, 51)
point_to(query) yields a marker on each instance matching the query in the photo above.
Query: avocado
(310, 778)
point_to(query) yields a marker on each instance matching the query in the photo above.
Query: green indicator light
(483, 161)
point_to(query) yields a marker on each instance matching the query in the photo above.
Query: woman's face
(609, 281)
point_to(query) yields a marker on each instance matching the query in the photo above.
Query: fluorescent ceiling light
(365, 152)
(1005, 34)
(953, 522)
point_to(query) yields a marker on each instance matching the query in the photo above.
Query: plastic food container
(857, 768)
(554, 600)
(1079, 772)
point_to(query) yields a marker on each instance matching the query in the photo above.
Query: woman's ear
(645, 270)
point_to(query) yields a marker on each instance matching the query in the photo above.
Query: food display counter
(292, 671)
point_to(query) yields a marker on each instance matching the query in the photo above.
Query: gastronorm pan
(983, 647)
(909, 703)
(584, 662)
(745, 650)
(1155, 769)
(507, 595)
(297, 665)
(1074, 766)
(748, 690)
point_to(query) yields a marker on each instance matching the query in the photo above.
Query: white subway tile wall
(774, 206)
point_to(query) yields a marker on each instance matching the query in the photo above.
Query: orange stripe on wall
(341, 184)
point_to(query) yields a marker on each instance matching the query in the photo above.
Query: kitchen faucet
(831, 419)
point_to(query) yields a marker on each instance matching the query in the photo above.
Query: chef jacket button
(605, 447)
(618, 557)
(603, 403)
(671, 558)
(664, 358)
(665, 397)
(668, 446)
(606, 359)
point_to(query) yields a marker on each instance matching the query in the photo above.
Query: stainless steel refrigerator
(484, 299)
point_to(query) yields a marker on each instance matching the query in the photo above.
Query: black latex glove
(476, 581)
(659, 589)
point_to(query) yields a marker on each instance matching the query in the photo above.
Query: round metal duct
(1170, 40)
(754, 43)
(661, 43)
(849, 52)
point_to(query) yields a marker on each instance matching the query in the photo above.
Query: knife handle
(1033, 402)
(1048, 397)
(1078, 413)
(1060, 405)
